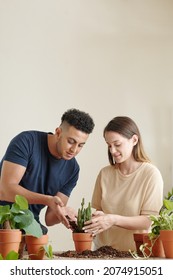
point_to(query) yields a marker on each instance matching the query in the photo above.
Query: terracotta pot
(138, 238)
(9, 240)
(167, 240)
(82, 241)
(35, 246)
(155, 245)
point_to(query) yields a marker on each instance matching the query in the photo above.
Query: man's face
(69, 141)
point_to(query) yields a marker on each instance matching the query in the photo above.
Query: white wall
(107, 57)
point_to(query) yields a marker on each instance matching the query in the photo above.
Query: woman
(127, 191)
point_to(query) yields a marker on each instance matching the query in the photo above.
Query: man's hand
(70, 212)
(57, 200)
(57, 212)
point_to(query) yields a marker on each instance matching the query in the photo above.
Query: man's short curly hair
(79, 119)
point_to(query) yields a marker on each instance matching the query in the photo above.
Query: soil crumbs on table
(105, 252)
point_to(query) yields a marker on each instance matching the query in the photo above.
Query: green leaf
(168, 204)
(12, 255)
(4, 213)
(170, 193)
(153, 218)
(4, 209)
(24, 219)
(49, 251)
(22, 202)
(33, 229)
(15, 209)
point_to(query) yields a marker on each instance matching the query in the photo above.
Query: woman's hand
(99, 222)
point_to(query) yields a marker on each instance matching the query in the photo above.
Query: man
(42, 167)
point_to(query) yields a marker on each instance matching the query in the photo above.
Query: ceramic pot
(82, 241)
(167, 240)
(35, 246)
(156, 246)
(9, 240)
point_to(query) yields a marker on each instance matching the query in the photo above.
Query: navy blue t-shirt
(44, 174)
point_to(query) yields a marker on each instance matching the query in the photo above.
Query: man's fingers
(65, 222)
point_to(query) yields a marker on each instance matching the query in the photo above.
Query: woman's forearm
(132, 223)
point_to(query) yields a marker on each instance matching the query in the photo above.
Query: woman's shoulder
(150, 168)
(107, 169)
(149, 165)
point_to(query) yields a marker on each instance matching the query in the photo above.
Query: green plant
(169, 197)
(18, 216)
(169, 194)
(12, 255)
(164, 221)
(84, 215)
(49, 251)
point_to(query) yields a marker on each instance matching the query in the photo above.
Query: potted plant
(14, 219)
(82, 240)
(154, 243)
(162, 226)
(36, 246)
(148, 245)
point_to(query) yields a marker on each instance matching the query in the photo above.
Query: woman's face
(119, 146)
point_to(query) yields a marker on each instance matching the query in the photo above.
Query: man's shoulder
(30, 134)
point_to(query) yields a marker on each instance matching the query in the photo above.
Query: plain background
(106, 57)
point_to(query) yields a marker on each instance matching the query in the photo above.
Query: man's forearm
(8, 192)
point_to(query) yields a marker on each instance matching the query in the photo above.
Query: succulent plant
(84, 214)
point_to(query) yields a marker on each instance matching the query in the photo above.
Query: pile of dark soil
(105, 252)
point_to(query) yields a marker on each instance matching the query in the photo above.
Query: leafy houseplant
(18, 216)
(165, 219)
(82, 240)
(14, 219)
(161, 224)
